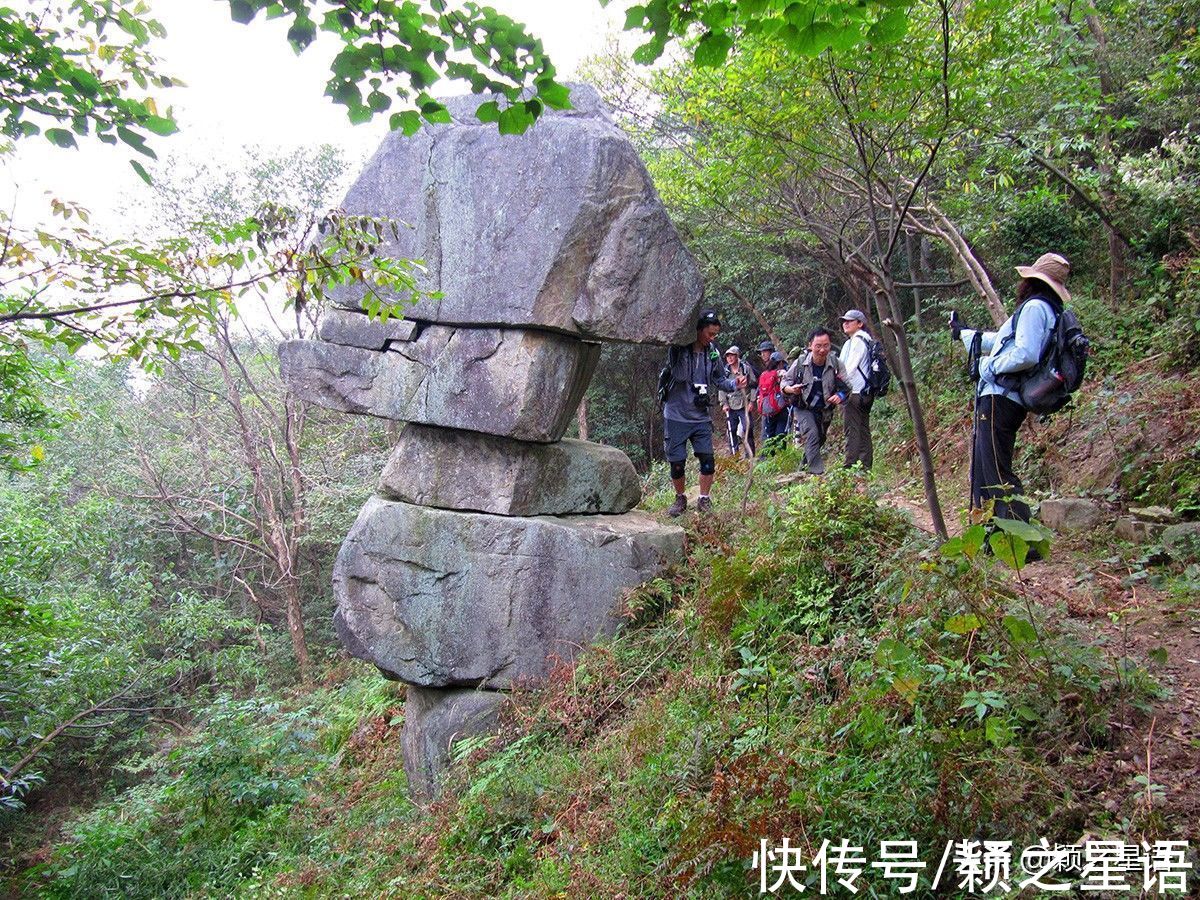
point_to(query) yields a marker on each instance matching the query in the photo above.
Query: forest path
(1129, 620)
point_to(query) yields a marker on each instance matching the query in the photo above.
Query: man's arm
(1029, 340)
(718, 377)
(788, 383)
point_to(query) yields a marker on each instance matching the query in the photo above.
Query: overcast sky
(246, 86)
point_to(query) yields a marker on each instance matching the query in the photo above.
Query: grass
(816, 669)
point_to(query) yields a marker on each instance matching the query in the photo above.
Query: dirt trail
(1160, 633)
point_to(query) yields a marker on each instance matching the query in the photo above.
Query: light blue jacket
(1034, 330)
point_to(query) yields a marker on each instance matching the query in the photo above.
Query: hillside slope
(816, 670)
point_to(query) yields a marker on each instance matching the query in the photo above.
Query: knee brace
(677, 469)
(708, 464)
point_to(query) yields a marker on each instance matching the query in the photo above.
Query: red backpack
(770, 398)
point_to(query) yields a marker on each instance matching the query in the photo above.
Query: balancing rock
(558, 228)
(439, 598)
(515, 382)
(482, 473)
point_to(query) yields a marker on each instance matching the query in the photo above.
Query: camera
(700, 395)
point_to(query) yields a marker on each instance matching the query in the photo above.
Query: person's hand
(956, 325)
(835, 399)
(726, 409)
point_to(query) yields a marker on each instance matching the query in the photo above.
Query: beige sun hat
(1050, 269)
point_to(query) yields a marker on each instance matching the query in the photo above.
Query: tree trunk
(295, 623)
(749, 306)
(1117, 246)
(275, 532)
(888, 306)
(978, 275)
(885, 300)
(581, 418)
(914, 274)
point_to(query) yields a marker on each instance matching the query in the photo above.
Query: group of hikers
(791, 399)
(1030, 364)
(799, 398)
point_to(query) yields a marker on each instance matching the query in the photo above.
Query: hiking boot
(678, 506)
(704, 506)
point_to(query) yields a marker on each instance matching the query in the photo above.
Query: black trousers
(997, 421)
(856, 412)
(774, 425)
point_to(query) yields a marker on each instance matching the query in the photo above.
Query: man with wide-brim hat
(1005, 355)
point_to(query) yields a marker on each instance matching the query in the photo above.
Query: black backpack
(1048, 386)
(874, 369)
(666, 380)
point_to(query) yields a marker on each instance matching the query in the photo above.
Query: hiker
(736, 404)
(686, 387)
(817, 382)
(1003, 356)
(857, 410)
(773, 404)
(765, 349)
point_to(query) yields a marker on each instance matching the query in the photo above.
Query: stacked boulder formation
(493, 547)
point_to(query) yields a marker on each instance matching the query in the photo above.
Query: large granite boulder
(482, 473)
(557, 228)
(434, 721)
(525, 384)
(439, 598)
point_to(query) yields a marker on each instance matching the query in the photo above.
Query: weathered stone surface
(1182, 541)
(434, 720)
(558, 228)
(1158, 514)
(1136, 531)
(482, 473)
(524, 384)
(1071, 514)
(356, 329)
(441, 598)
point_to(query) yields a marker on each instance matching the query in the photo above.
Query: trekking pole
(749, 482)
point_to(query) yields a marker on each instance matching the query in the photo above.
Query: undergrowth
(816, 669)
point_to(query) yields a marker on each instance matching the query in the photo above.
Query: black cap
(766, 346)
(708, 317)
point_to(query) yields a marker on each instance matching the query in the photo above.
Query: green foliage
(1042, 221)
(76, 70)
(106, 590)
(816, 668)
(86, 630)
(805, 29)
(26, 420)
(395, 51)
(211, 814)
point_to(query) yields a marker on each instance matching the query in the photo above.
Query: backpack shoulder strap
(866, 357)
